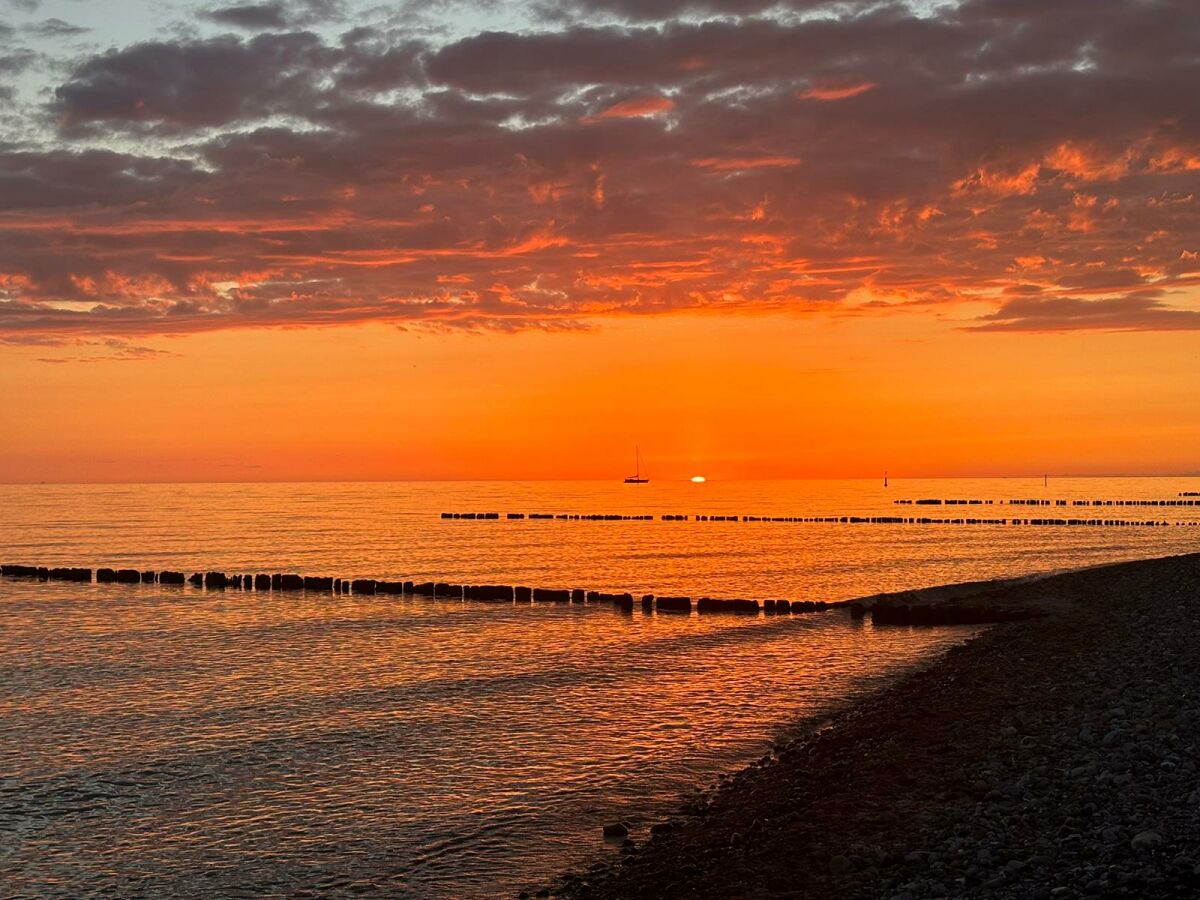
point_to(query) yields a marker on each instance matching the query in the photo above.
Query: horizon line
(681, 480)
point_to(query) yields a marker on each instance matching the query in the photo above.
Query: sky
(324, 239)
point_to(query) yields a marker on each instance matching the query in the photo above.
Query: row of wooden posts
(933, 501)
(847, 520)
(884, 612)
(435, 589)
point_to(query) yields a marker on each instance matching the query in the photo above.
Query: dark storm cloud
(861, 160)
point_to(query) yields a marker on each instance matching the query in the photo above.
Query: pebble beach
(1054, 757)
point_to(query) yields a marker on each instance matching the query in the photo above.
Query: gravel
(1051, 758)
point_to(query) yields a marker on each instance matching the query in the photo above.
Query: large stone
(1147, 841)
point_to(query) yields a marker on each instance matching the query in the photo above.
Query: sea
(173, 741)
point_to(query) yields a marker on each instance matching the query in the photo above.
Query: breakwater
(934, 501)
(883, 609)
(1034, 521)
(440, 590)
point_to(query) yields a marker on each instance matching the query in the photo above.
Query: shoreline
(1050, 757)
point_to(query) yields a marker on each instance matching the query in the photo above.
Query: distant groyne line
(842, 520)
(1033, 501)
(910, 608)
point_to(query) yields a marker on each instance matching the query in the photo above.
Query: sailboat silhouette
(636, 477)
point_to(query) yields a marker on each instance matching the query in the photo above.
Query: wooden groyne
(909, 608)
(1031, 501)
(1039, 521)
(48, 574)
(589, 517)
(441, 590)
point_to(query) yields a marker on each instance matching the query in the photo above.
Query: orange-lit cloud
(580, 169)
(638, 106)
(836, 91)
(742, 163)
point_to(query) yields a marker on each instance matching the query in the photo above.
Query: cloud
(193, 83)
(177, 86)
(16, 60)
(75, 350)
(55, 28)
(277, 15)
(1134, 312)
(251, 16)
(863, 159)
(835, 90)
(637, 106)
(662, 10)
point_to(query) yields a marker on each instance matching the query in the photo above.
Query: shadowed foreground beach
(1055, 757)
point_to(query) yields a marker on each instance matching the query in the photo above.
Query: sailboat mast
(636, 477)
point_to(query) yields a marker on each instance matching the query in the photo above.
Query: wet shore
(1052, 757)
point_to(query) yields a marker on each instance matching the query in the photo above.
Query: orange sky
(511, 240)
(770, 396)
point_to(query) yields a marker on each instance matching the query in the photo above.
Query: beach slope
(1055, 757)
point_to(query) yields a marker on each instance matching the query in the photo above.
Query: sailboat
(636, 477)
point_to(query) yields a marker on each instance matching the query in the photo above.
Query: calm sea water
(174, 742)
